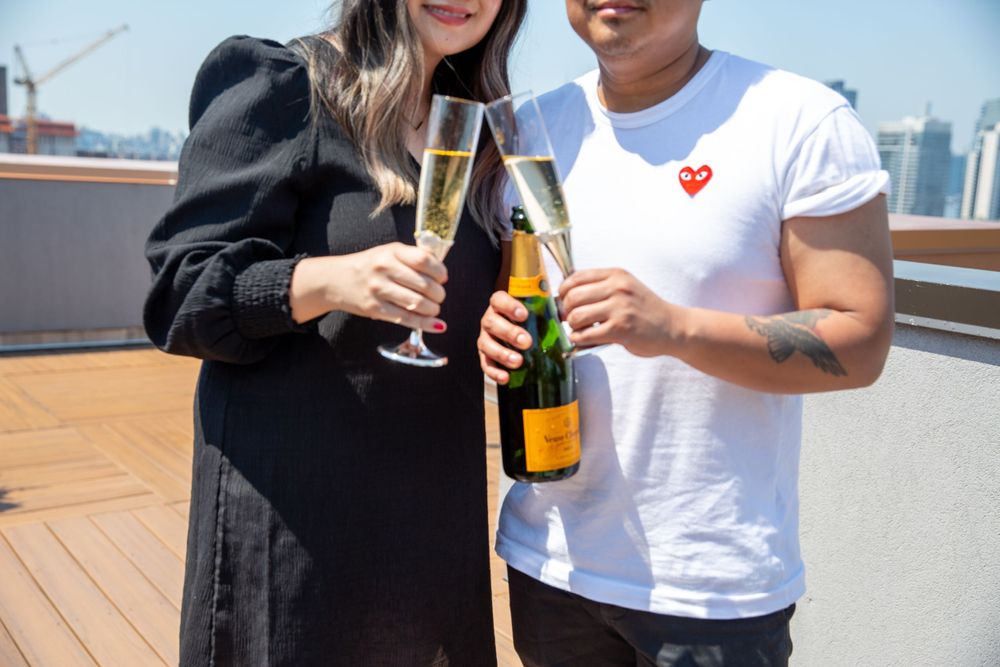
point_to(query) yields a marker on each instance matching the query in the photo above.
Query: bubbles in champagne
(541, 193)
(444, 178)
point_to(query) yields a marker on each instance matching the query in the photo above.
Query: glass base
(413, 352)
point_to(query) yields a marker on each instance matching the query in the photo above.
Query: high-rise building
(989, 116)
(917, 154)
(981, 196)
(956, 185)
(3, 90)
(849, 94)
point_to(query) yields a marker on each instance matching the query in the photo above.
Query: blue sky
(898, 54)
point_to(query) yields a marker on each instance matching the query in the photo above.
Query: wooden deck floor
(95, 457)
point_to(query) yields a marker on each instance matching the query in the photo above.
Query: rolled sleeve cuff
(840, 198)
(261, 305)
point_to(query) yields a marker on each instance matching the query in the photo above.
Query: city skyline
(142, 78)
(915, 151)
(981, 187)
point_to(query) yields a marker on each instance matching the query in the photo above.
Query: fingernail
(439, 326)
(522, 339)
(512, 358)
(520, 312)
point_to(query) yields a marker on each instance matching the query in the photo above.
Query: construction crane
(32, 83)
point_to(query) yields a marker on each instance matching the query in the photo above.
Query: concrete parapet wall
(900, 511)
(71, 246)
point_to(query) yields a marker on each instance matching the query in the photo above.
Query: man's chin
(610, 42)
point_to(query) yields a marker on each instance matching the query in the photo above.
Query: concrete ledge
(948, 298)
(86, 170)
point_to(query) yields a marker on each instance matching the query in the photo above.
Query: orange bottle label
(552, 437)
(524, 287)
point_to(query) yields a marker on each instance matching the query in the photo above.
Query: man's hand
(612, 306)
(498, 330)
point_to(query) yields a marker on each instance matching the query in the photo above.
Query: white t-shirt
(686, 498)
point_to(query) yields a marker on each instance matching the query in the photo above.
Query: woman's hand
(395, 283)
(497, 329)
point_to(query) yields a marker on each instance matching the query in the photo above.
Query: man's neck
(627, 86)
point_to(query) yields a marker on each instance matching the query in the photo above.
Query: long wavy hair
(372, 84)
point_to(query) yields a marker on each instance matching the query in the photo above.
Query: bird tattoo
(793, 332)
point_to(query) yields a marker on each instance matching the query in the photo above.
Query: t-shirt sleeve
(836, 169)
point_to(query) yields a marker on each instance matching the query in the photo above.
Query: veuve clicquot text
(539, 413)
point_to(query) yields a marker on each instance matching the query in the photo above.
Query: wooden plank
(501, 614)
(498, 570)
(108, 636)
(18, 412)
(55, 473)
(34, 498)
(44, 470)
(152, 614)
(36, 627)
(68, 361)
(184, 509)
(159, 441)
(100, 626)
(32, 448)
(139, 463)
(506, 655)
(160, 565)
(88, 395)
(10, 655)
(82, 509)
(167, 525)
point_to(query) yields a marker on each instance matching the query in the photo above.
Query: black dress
(338, 511)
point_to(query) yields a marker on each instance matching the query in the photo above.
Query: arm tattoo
(793, 332)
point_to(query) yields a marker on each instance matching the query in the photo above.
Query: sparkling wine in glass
(520, 135)
(452, 135)
(523, 141)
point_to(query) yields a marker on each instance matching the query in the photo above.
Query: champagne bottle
(539, 413)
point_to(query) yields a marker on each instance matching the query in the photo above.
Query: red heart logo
(693, 181)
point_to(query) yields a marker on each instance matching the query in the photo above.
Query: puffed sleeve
(220, 256)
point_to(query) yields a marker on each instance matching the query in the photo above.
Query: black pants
(554, 628)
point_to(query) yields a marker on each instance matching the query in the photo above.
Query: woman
(338, 512)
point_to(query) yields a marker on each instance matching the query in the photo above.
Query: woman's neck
(416, 136)
(423, 101)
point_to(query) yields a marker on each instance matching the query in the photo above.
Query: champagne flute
(520, 135)
(452, 135)
(524, 145)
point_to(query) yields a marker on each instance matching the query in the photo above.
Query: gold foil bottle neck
(526, 256)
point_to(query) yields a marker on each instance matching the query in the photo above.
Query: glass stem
(417, 339)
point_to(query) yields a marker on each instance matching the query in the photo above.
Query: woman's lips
(448, 15)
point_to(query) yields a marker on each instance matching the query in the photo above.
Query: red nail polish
(438, 326)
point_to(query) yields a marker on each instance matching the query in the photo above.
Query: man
(745, 206)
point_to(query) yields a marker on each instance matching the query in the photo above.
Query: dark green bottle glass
(539, 413)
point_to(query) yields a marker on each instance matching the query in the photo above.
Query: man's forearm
(798, 352)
